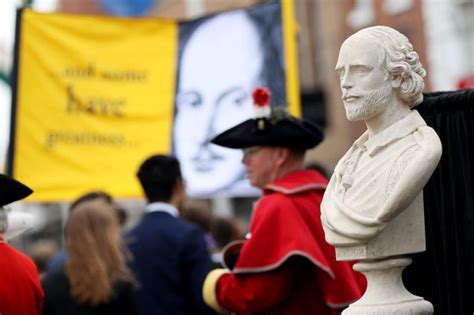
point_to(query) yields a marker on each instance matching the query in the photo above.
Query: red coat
(286, 267)
(20, 287)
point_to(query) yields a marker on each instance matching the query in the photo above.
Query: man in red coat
(20, 287)
(285, 266)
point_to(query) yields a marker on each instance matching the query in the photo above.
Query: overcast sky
(7, 33)
(7, 38)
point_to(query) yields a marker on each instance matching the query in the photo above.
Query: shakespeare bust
(373, 206)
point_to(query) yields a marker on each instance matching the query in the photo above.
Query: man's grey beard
(369, 105)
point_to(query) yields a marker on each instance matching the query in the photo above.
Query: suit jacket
(170, 262)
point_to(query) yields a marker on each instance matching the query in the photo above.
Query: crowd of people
(181, 260)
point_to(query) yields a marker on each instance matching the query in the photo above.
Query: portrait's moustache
(205, 159)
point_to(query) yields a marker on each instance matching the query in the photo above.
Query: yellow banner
(94, 98)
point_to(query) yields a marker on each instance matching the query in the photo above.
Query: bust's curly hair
(96, 256)
(401, 62)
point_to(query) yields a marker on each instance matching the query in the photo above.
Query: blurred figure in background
(42, 251)
(315, 166)
(121, 214)
(170, 254)
(58, 260)
(224, 231)
(202, 216)
(20, 287)
(95, 278)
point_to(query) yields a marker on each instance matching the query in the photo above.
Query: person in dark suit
(170, 256)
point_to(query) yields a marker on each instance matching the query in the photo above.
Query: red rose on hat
(261, 97)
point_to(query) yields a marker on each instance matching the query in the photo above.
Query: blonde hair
(96, 255)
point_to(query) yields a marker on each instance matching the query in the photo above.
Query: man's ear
(180, 185)
(397, 80)
(282, 155)
(179, 193)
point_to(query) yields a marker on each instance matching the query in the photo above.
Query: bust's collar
(397, 130)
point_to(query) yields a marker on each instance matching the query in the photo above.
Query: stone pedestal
(386, 294)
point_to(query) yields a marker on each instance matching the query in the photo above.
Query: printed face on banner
(220, 65)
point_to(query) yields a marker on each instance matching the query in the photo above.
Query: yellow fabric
(95, 98)
(209, 289)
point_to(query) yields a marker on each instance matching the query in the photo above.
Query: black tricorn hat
(12, 190)
(277, 131)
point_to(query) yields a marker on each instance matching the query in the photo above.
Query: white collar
(397, 130)
(163, 207)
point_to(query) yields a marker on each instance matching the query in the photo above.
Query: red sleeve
(255, 292)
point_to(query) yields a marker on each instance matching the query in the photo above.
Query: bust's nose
(346, 81)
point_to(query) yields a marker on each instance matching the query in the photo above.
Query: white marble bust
(373, 206)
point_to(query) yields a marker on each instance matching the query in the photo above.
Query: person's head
(106, 197)
(376, 66)
(12, 190)
(274, 143)
(215, 79)
(265, 164)
(225, 230)
(41, 253)
(96, 257)
(92, 195)
(161, 180)
(201, 216)
(122, 215)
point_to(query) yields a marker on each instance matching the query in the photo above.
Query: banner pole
(290, 32)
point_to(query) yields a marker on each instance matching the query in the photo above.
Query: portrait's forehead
(222, 38)
(227, 54)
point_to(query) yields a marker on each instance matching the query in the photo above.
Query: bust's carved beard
(370, 104)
